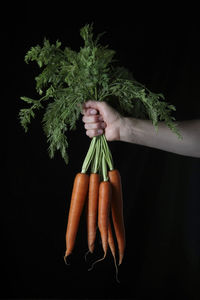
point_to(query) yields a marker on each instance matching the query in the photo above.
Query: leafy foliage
(69, 78)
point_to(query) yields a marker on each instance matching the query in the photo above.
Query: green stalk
(89, 156)
(104, 168)
(96, 160)
(100, 161)
(108, 155)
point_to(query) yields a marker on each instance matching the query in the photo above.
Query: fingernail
(99, 131)
(93, 112)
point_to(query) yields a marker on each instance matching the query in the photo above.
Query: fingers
(92, 118)
(94, 124)
(91, 104)
(99, 117)
(97, 125)
(94, 132)
(94, 106)
(89, 111)
(94, 128)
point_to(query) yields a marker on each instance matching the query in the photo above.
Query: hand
(100, 118)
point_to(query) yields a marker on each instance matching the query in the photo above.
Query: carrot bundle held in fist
(101, 193)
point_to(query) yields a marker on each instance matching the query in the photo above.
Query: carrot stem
(104, 168)
(96, 160)
(107, 152)
(86, 254)
(89, 155)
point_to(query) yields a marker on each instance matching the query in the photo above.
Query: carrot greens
(68, 78)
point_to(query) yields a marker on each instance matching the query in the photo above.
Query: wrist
(126, 129)
(133, 130)
(113, 131)
(119, 129)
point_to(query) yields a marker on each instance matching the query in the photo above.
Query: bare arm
(142, 132)
(99, 117)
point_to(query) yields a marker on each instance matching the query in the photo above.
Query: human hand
(101, 118)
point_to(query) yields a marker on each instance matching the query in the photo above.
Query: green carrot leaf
(68, 78)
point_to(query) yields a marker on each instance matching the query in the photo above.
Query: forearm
(142, 132)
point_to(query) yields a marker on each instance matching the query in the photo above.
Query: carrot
(79, 193)
(92, 209)
(103, 212)
(111, 244)
(103, 216)
(117, 211)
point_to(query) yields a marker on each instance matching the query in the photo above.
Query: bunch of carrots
(101, 193)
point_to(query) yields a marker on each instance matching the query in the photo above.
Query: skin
(99, 118)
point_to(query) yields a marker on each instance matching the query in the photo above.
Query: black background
(161, 190)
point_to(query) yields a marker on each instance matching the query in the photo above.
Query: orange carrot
(117, 211)
(92, 209)
(111, 244)
(79, 193)
(103, 212)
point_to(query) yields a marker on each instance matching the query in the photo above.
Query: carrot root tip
(120, 261)
(91, 248)
(98, 260)
(65, 260)
(86, 254)
(116, 270)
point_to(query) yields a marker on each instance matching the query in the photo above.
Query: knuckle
(88, 133)
(90, 119)
(103, 103)
(91, 126)
(91, 133)
(103, 125)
